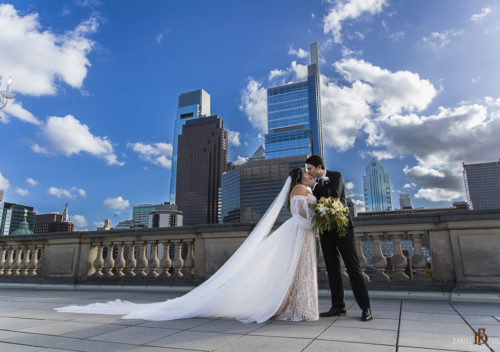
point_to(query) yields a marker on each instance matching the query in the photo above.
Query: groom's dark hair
(316, 160)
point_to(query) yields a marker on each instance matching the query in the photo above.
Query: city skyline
(97, 90)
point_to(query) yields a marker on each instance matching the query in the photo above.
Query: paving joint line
(469, 325)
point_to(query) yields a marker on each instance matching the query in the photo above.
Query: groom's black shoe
(366, 315)
(334, 312)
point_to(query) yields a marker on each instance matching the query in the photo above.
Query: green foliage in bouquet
(330, 214)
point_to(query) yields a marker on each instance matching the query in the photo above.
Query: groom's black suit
(332, 244)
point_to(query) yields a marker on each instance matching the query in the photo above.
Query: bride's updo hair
(296, 175)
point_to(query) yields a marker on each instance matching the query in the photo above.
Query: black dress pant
(331, 245)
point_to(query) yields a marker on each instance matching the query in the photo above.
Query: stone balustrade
(458, 247)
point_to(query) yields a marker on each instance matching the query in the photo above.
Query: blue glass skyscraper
(191, 105)
(294, 116)
(377, 187)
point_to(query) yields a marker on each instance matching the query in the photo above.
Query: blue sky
(414, 83)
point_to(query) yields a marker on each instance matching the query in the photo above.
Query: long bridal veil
(250, 286)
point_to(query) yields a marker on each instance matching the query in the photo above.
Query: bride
(271, 275)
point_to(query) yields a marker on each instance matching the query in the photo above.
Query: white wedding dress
(271, 275)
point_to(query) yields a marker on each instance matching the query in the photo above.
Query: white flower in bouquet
(330, 214)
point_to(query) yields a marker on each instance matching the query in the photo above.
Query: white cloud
(392, 91)
(299, 70)
(438, 194)
(485, 11)
(476, 79)
(349, 186)
(117, 203)
(360, 205)
(4, 183)
(254, 104)
(68, 136)
(159, 154)
(234, 138)
(79, 221)
(410, 185)
(60, 192)
(16, 109)
(31, 181)
(22, 191)
(276, 74)
(351, 9)
(300, 53)
(159, 38)
(37, 58)
(438, 40)
(65, 193)
(240, 160)
(396, 36)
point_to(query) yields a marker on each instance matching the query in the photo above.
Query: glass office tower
(482, 185)
(191, 105)
(294, 116)
(377, 187)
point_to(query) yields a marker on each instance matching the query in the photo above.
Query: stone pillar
(178, 262)
(419, 261)
(189, 264)
(142, 263)
(361, 256)
(130, 263)
(33, 264)
(9, 262)
(378, 260)
(25, 261)
(166, 262)
(120, 261)
(3, 251)
(99, 261)
(16, 266)
(398, 260)
(154, 262)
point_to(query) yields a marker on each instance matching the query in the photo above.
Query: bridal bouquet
(330, 214)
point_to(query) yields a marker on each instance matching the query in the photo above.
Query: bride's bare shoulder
(299, 190)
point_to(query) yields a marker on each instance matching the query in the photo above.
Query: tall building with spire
(191, 105)
(294, 115)
(377, 187)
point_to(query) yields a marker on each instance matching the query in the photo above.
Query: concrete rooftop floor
(29, 323)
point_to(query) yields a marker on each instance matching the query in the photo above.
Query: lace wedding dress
(272, 274)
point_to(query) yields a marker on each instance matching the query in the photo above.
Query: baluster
(16, 267)
(3, 251)
(189, 264)
(419, 261)
(178, 262)
(99, 261)
(378, 260)
(166, 261)
(142, 263)
(154, 262)
(91, 258)
(33, 264)
(130, 262)
(361, 256)
(10, 261)
(25, 261)
(120, 261)
(109, 263)
(398, 259)
(320, 259)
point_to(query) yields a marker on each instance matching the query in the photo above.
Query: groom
(330, 184)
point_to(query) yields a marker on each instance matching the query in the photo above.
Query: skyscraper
(13, 215)
(260, 182)
(140, 213)
(230, 195)
(202, 158)
(294, 116)
(482, 185)
(405, 201)
(377, 187)
(191, 105)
